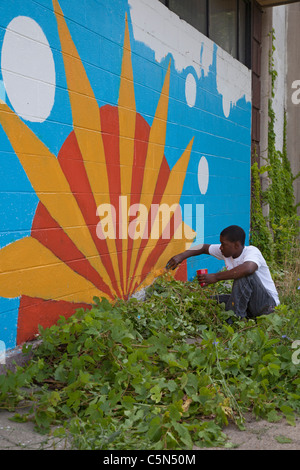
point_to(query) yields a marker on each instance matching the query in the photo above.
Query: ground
(259, 435)
(262, 435)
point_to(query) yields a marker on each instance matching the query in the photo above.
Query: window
(223, 24)
(192, 11)
(226, 22)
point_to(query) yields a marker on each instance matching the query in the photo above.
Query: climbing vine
(260, 233)
(276, 233)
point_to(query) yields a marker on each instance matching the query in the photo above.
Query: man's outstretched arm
(243, 270)
(195, 251)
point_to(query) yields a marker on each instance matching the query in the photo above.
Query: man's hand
(206, 279)
(175, 261)
(195, 251)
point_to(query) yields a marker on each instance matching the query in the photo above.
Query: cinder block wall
(113, 116)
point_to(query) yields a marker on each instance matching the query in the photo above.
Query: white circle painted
(203, 175)
(28, 69)
(190, 90)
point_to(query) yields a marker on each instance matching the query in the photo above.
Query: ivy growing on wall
(276, 233)
(260, 233)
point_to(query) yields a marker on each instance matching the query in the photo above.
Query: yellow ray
(86, 123)
(150, 278)
(126, 102)
(179, 242)
(170, 200)
(29, 268)
(154, 157)
(173, 190)
(127, 121)
(176, 245)
(50, 184)
(84, 106)
(157, 138)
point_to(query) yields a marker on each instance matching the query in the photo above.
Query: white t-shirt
(249, 253)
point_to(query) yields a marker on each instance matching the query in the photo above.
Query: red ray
(35, 312)
(110, 134)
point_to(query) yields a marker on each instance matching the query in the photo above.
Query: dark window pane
(192, 11)
(242, 31)
(223, 24)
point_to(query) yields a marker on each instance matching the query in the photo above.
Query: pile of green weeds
(168, 372)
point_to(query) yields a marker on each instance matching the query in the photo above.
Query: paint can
(201, 271)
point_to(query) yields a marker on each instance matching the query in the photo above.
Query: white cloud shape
(28, 69)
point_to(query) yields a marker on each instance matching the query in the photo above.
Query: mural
(106, 170)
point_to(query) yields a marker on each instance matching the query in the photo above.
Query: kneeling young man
(253, 291)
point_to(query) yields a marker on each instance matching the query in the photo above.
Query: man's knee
(250, 279)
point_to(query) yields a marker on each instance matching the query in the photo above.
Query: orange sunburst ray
(87, 124)
(37, 272)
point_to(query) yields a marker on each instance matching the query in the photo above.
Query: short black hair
(234, 233)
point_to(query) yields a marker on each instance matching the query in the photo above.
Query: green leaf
(156, 393)
(60, 373)
(171, 385)
(174, 413)
(289, 414)
(155, 431)
(128, 402)
(283, 440)
(184, 434)
(273, 416)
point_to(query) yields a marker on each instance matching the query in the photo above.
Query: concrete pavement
(22, 436)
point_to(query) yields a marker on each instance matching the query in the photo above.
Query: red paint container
(201, 271)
